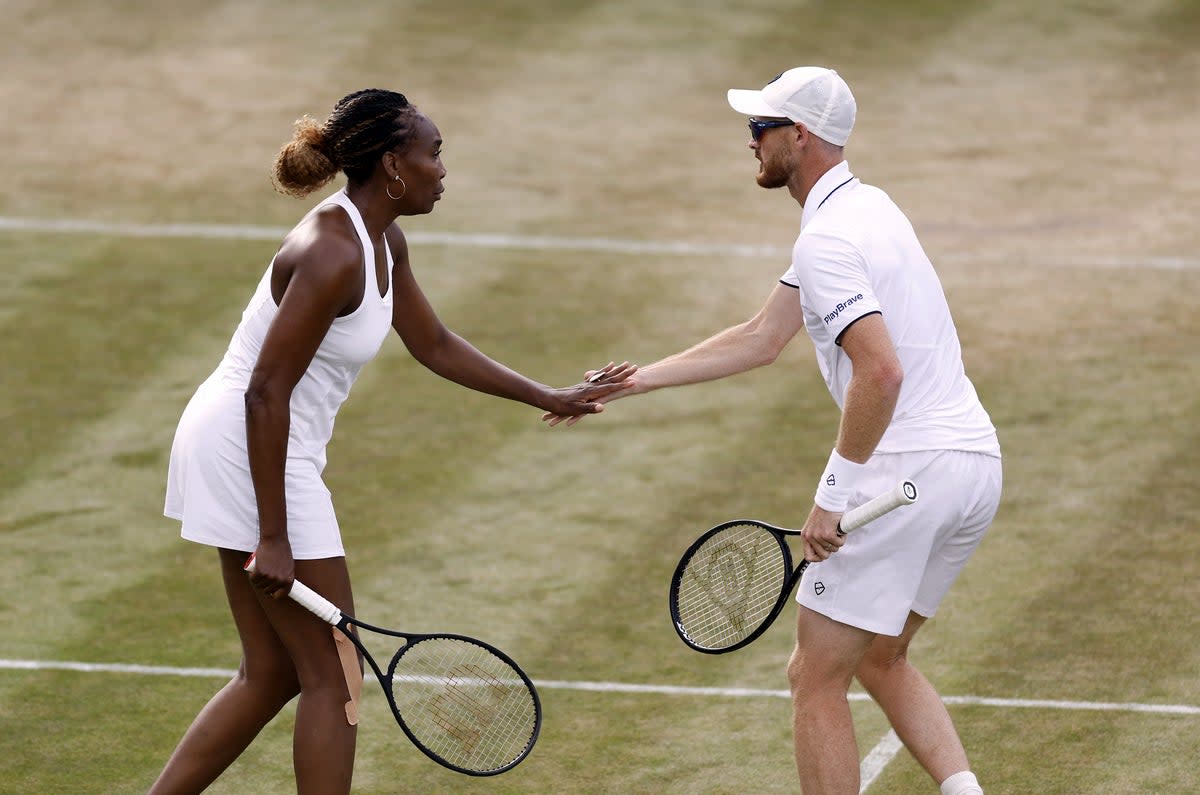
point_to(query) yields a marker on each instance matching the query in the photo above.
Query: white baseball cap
(815, 96)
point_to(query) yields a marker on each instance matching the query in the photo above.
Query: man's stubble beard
(773, 175)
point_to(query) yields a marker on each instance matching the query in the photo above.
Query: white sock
(963, 783)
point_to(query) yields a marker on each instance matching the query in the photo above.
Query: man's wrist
(837, 483)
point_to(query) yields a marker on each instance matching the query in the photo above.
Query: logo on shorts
(831, 480)
(818, 587)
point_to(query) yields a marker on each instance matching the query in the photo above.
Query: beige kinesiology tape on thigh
(349, 657)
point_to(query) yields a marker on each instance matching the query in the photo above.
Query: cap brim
(749, 102)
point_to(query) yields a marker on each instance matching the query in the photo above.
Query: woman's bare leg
(266, 680)
(324, 741)
(285, 650)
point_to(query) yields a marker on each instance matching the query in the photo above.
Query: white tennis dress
(208, 480)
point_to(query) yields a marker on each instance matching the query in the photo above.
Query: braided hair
(362, 126)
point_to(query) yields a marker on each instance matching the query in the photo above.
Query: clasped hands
(600, 386)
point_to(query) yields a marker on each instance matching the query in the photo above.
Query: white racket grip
(309, 599)
(316, 604)
(905, 493)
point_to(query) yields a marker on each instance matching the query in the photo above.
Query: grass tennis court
(600, 205)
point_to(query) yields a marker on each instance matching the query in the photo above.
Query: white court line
(524, 242)
(870, 768)
(492, 241)
(623, 687)
(875, 761)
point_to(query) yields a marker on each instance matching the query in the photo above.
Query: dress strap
(340, 198)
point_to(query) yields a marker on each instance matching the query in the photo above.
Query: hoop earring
(388, 191)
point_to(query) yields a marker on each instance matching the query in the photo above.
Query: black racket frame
(778, 533)
(387, 682)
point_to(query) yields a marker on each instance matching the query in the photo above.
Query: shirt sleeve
(789, 278)
(833, 279)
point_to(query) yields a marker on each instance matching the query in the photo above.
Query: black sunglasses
(758, 126)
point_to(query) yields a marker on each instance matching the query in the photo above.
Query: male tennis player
(862, 286)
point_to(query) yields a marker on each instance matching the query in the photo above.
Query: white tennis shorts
(907, 560)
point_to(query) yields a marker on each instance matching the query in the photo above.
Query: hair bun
(304, 163)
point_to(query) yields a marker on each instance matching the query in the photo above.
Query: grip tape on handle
(905, 493)
(309, 599)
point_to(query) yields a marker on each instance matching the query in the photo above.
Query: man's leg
(822, 666)
(912, 705)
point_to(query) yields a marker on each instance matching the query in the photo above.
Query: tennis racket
(463, 702)
(735, 579)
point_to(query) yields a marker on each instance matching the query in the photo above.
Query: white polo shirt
(856, 255)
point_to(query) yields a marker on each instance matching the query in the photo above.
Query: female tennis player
(246, 463)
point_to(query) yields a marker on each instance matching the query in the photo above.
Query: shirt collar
(829, 182)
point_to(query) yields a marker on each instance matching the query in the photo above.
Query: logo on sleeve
(837, 310)
(818, 587)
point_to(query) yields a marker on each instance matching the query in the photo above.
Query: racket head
(464, 703)
(729, 585)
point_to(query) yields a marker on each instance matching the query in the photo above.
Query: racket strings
(463, 703)
(730, 586)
